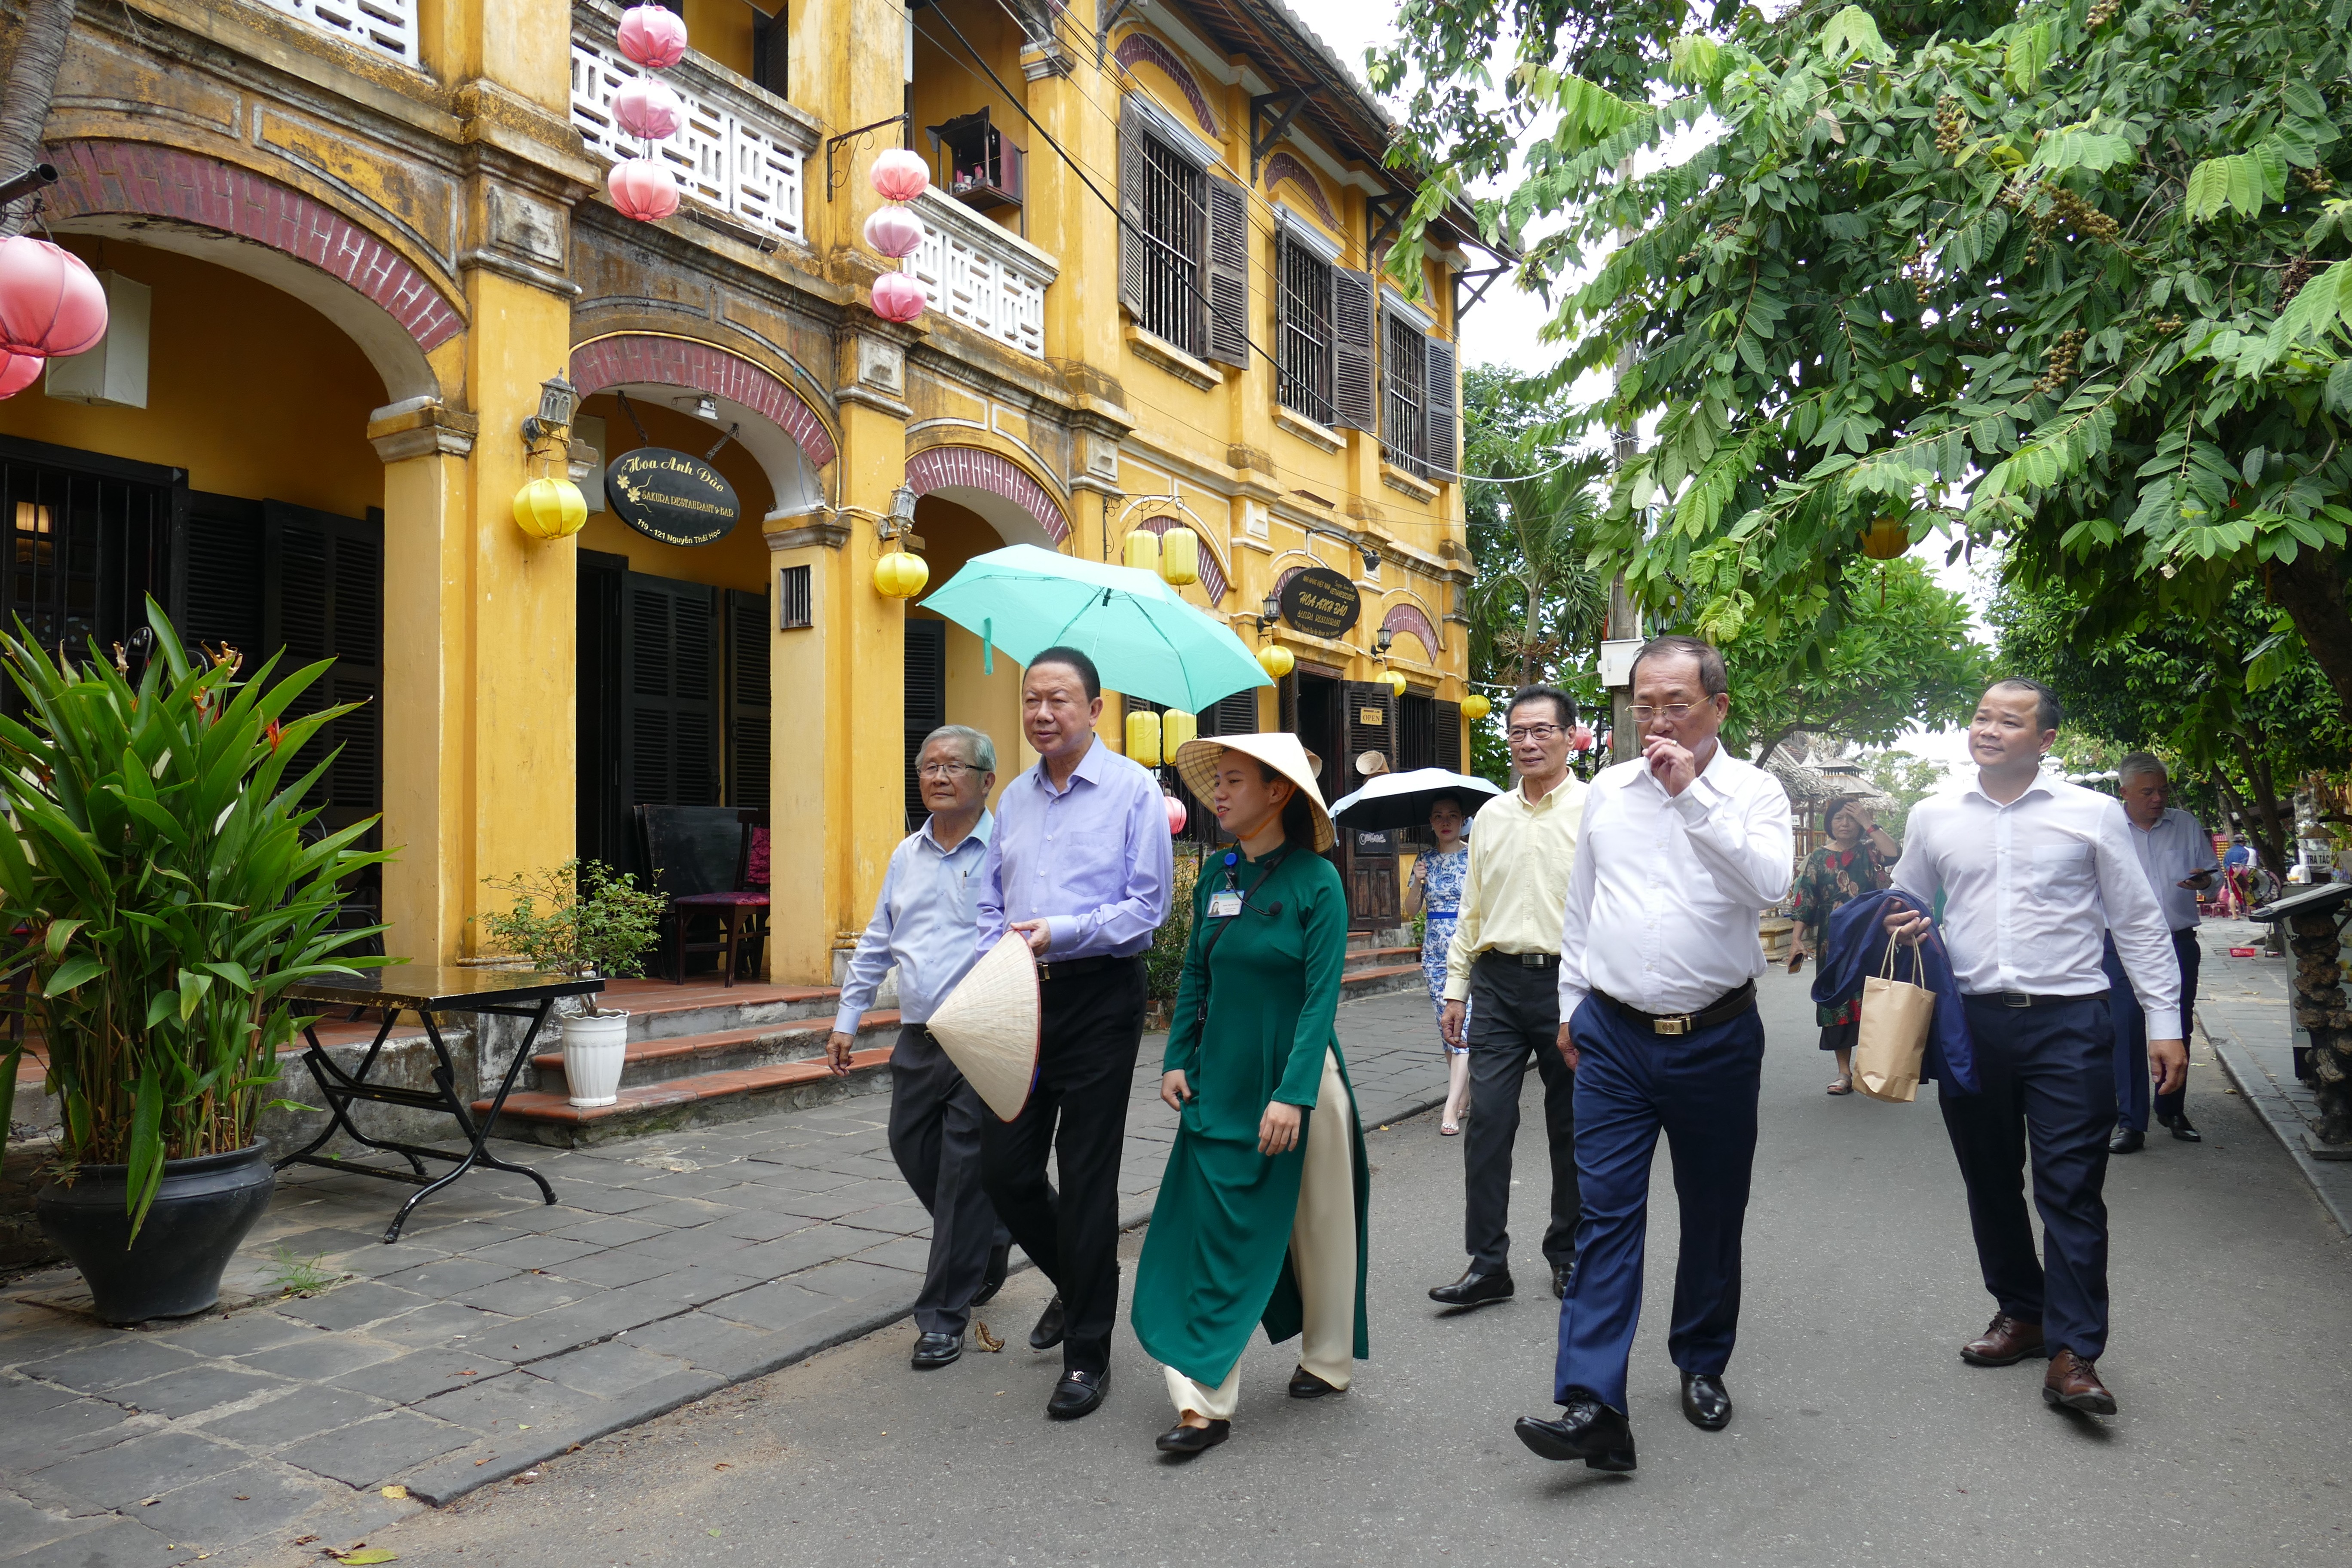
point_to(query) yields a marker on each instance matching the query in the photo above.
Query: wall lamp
(1269, 611)
(559, 400)
(1380, 640)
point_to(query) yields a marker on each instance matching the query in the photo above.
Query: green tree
(1905, 779)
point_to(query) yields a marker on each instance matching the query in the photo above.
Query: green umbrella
(1147, 642)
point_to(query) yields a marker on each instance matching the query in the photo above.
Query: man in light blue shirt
(923, 923)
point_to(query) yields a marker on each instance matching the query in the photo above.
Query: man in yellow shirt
(1504, 966)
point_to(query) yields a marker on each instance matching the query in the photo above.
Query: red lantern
(899, 296)
(1176, 815)
(894, 231)
(50, 302)
(900, 176)
(1580, 738)
(18, 372)
(653, 35)
(648, 108)
(643, 188)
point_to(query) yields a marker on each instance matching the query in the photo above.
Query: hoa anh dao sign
(673, 497)
(1320, 602)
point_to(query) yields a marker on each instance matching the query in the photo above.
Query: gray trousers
(935, 1118)
(1513, 1014)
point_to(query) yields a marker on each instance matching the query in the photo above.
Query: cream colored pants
(1322, 1253)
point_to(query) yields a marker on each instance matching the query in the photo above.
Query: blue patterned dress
(1442, 902)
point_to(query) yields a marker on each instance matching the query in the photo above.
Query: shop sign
(1321, 603)
(673, 497)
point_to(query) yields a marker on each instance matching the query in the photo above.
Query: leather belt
(1071, 968)
(2026, 998)
(1526, 959)
(1730, 1005)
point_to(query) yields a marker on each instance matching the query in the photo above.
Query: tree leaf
(71, 973)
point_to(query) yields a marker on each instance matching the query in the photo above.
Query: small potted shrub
(581, 919)
(159, 893)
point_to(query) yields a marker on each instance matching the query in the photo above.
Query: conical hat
(988, 1025)
(1196, 765)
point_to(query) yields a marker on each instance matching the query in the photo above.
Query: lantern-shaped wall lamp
(901, 574)
(1476, 707)
(550, 508)
(1268, 612)
(1277, 661)
(1179, 556)
(1381, 641)
(1887, 537)
(1176, 727)
(1143, 738)
(1141, 550)
(559, 401)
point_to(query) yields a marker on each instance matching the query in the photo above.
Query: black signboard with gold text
(1320, 602)
(673, 497)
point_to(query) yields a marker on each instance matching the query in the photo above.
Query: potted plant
(582, 917)
(160, 893)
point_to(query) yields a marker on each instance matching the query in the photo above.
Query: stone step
(538, 1116)
(1380, 957)
(724, 1050)
(662, 1012)
(1382, 981)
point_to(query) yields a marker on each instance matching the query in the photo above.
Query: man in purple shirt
(1080, 865)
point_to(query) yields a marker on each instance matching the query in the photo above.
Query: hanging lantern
(1277, 661)
(647, 107)
(550, 508)
(899, 174)
(1476, 707)
(894, 232)
(1394, 680)
(1177, 815)
(18, 372)
(901, 574)
(51, 304)
(899, 296)
(1580, 740)
(1143, 739)
(1887, 537)
(653, 37)
(1141, 550)
(643, 188)
(1179, 556)
(1176, 727)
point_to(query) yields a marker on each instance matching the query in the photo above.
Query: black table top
(439, 990)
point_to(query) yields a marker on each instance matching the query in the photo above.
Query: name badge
(1225, 905)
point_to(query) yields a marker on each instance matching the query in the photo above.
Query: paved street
(1860, 1437)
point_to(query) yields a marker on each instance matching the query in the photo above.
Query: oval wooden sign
(673, 497)
(1320, 602)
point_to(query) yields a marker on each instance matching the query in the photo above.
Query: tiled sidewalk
(499, 1332)
(2243, 1006)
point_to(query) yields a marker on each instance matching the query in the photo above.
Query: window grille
(1405, 437)
(1305, 385)
(1175, 228)
(794, 606)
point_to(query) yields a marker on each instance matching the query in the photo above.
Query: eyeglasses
(1538, 733)
(1672, 711)
(945, 770)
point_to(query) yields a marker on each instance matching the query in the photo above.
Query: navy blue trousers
(2048, 1079)
(2130, 1024)
(1700, 1089)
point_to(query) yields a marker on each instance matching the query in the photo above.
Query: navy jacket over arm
(1854, 948)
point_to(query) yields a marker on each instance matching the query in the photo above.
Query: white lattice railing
(980, 275)
(734, 151)
(387, 26)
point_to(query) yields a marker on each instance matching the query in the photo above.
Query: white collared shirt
(2029, 889)
(2175, 847)
(1664, 900)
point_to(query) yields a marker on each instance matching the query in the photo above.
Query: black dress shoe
(1705, 1401)
(1304, 1385)
(1079, 1393)
(1474, 1289)
(1189, 1441)
(2128, 1141)
(2182, 1130)
(1000, 1260)
(936, 1350)
(1048, 1331)
(1587, 1429)
(1563, 1275)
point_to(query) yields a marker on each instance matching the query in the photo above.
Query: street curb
(2285, 1124)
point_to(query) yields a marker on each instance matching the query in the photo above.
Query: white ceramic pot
(595, 1048)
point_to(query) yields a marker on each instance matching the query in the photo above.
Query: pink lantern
(50, 302)
(647, 107)
(1580, 738)
(653, 37)
(900, 176)
(894, 231)
(643, 188)
(18, 372)
(899, 296)
(1176, 813)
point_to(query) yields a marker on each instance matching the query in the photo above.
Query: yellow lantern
(1394, 680)
(901, 574)
(550, 508)
(1476, 707)
(1176, 727)
(1143, 739)
(1179, 556)
(1142, 549)
(1277, 661)
(1887, 537)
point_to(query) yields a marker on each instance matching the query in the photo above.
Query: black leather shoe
(936, 1350)
(2128, 1141)
(1587, 1429)
(2182, 1130)
(1190, 1440)
(1474, 1289)
(1563, 1275)
(1079, 1393)
(1000, 1261)
(1304, 1385)
(1705, 1401)
(1048, 1331)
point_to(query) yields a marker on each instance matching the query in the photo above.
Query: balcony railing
(983, 275)
(740, 149)
(388, 27)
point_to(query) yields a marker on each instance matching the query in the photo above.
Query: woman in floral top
(1437, 888)
(1857, 860)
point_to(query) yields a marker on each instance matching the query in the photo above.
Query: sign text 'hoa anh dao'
(1321, 603)
(675, 496)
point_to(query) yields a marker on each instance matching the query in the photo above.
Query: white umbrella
(1402, 800)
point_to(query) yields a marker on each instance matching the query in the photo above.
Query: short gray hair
(978, 749)
(2140, 762)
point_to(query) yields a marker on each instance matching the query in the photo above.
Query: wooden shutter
(1369, 724)
(927, 700)
(1449, 738)
(1234, 715)
(747, 699)
(1285, 693)
(670, 657)
(1228, 274)
(1132, 262)
(770, 49)
(1353, 319)
(322, 598)
(1440, 406)
(605, 832)
(220, 591)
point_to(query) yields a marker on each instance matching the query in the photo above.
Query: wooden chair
(709, 860)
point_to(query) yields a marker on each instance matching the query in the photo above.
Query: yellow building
(346, 241)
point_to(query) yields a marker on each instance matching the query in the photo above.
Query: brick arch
(1144, 46)
(1412, 618)
(1285, 166)
(630, 358)
(1213, 571)
(974, 468)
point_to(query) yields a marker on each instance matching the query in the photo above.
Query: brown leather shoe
(2075, 1383)
(2005, 1342)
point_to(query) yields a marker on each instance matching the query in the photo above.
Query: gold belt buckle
(1677, 1025)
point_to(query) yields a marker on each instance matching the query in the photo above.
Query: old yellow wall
(953, 535)
(948, 84)
(737, 561)
(722, 29)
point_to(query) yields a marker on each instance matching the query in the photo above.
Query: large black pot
(201, 1212)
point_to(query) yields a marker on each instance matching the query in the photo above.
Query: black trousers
(1091, 1028)
(1514, 1013)
(935, 1122)
(2132, 1088)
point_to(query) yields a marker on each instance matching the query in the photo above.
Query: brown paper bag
(1890, 1040)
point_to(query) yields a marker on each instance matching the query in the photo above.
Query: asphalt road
(1860, 1437)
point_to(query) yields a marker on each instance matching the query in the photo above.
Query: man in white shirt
(2177, 853)
(2034, 871)
(1681, 851)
